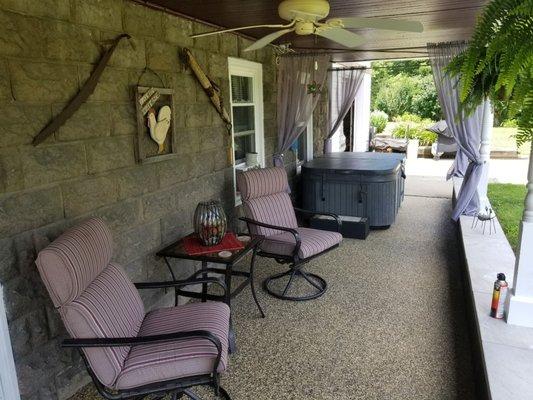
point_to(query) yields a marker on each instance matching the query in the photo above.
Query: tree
(498, 63)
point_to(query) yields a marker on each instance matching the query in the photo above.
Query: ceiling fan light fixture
(306, 10)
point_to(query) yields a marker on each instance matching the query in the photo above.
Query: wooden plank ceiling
(443, 20)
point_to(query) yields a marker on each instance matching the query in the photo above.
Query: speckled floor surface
(391, 325)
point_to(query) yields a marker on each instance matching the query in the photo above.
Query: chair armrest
(332, 215)
(185, 282)
(292, 231)
(139, 340)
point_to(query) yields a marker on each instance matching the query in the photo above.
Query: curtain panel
(466, 129)
(297, 76)
(343, 86)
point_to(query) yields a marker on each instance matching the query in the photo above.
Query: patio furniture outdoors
(130, 353)
(269, 212)
(445, 141)
(177, 250)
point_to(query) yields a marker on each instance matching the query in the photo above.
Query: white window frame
(240, 67)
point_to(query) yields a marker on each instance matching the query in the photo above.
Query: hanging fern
(498, 63)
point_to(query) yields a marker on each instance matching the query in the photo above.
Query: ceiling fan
(305, 16)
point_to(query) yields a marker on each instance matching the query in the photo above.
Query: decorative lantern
(210, 222)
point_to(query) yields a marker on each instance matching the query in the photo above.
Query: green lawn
(503, 138)
(508, 203)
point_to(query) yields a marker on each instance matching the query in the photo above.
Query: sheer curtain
(343, 86)
(297, 76)
(466, 129)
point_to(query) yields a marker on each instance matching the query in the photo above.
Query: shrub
(510, 123)
(379, 119)
(413, 130)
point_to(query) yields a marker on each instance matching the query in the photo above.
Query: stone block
(19, 297)
(45, 82)
(110, 153)
(208, 43)
(124, 120)
(11, 175)
(177, 30)
(176, 225)
(8, 260)
(140, 20)
(119, 216)
(137, 242)
(176, 170)
(105, 14)
(21, 122)
(213, 138)
(197, 115)
(53, 163)
(91, 120)
(28, 331)
(68, 42)
(228, 44)
(139, 180)
(88, 194)
(58, 9)
(187, 141)
(185, 86)
(112, 87)
(5, 85)
(162, 56)
(21, 35)
(155, 205)
(130, 53)
(218, 67)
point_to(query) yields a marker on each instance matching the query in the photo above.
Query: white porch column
(361, 113)
(520, 300)
(9, 389)
(484, 151)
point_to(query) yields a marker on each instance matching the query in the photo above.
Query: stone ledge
(506, 350)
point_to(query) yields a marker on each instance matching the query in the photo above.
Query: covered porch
(401, 316)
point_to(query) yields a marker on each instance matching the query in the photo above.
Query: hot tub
(367, 185)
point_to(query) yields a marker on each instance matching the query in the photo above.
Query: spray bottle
(498, 297)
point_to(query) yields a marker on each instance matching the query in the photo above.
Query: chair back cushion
(94, 297)
(265, 198)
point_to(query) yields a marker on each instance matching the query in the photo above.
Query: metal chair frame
(176, 387)
(295, 262)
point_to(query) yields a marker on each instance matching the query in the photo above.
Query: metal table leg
(232, 341)
(252, 285)
(174, 279)
(204, 285)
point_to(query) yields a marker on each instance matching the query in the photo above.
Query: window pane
(241, 89)
(243, 119)
(243, 144)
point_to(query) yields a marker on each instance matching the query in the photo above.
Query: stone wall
(87, 168)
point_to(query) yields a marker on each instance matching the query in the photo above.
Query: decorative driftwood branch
(81, 96)
(210, 88)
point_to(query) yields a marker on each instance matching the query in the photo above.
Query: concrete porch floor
(391, 325)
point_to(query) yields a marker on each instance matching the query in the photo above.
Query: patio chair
(130, 353)
(269, 212)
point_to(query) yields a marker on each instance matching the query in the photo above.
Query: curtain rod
(365, 68)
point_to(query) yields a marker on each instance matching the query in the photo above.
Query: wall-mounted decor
(155, 124)
(80, 97)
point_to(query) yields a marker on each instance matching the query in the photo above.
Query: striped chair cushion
(314, 241)
(146, 364)
(275, 209)
(262, 182)
(69, 264)
(109, 307)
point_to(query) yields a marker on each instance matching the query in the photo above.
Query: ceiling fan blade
(342, 36)
(382, 23)
(241, 28)
(268, 39)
